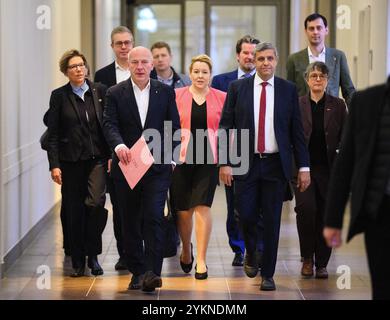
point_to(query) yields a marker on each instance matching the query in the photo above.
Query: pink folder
(141, 161)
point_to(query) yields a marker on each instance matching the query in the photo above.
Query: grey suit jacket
(339, 75)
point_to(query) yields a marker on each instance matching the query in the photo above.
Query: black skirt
(193, 185)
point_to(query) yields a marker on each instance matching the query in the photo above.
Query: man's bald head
(141, 64)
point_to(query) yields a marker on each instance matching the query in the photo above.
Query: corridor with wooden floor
(225, 282)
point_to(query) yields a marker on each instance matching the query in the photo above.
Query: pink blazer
(214, 100)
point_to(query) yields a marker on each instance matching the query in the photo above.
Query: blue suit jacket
(122, 122)
(238, 114)
(222, 81)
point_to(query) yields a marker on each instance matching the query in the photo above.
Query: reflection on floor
(23, 280)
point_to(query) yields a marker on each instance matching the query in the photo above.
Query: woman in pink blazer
(195, 181)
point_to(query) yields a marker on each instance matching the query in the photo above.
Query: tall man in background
(245, 49)
(316, 29)
(121, 43)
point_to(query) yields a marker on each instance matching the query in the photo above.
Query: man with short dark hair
(163, 71)
(246, 68)
(316, 29)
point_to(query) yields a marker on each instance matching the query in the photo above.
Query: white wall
(107, 17)
(299, 10)
(29, 72)
(348, 40)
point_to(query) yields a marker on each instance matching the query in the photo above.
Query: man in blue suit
(268, 107)
(245, 48)
(133, 106)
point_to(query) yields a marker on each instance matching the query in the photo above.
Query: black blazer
(65, 126)
(352, 166)
(222, 81)
(238, 113)
(335, 114)
(122, 122)
(106, 75)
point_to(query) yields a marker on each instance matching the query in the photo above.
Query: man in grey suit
(316, 28)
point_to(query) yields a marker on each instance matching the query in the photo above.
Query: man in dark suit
(316, 28)
(245, 48)
(267, 107)
(362, 169)
(121, 43)
(132, 107)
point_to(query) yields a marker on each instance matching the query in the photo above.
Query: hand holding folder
(140, 161)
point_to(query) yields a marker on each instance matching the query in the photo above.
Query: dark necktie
(263, 104)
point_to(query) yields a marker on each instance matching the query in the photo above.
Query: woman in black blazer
(78, 153)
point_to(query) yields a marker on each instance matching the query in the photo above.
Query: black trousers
(377, 239)
(83, 194)
(116, 217)
(236, 240)
(142, 214)
(310, 206)
(262, 189)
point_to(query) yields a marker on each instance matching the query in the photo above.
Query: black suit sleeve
(111, 120)
(53, 124)
(340, 181)
(298, 140)
(225, 124)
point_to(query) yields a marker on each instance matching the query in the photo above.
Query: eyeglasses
(315, 76)
(120, 44)
(74, 66)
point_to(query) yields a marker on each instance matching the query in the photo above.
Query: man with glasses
(118, 71)
(323, 117)
(316, 28)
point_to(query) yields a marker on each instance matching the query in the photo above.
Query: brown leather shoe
(321, 273)
(307, 267)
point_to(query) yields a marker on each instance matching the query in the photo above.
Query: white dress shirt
(271, 146)
(121, 74)
(313, 58)
(142, 98)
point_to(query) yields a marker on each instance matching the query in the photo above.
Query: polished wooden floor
(224, 283)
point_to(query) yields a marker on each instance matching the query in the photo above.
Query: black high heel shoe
(201, 275)
(187, 267)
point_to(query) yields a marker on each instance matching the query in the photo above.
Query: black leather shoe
(151, 281)
(267, 284)
(321, 273)
(121, 264)
(238, 260)
(251, 266)
(94, 265)
(78, 272)
(201, 275)
(187, 267)
(135, 282)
